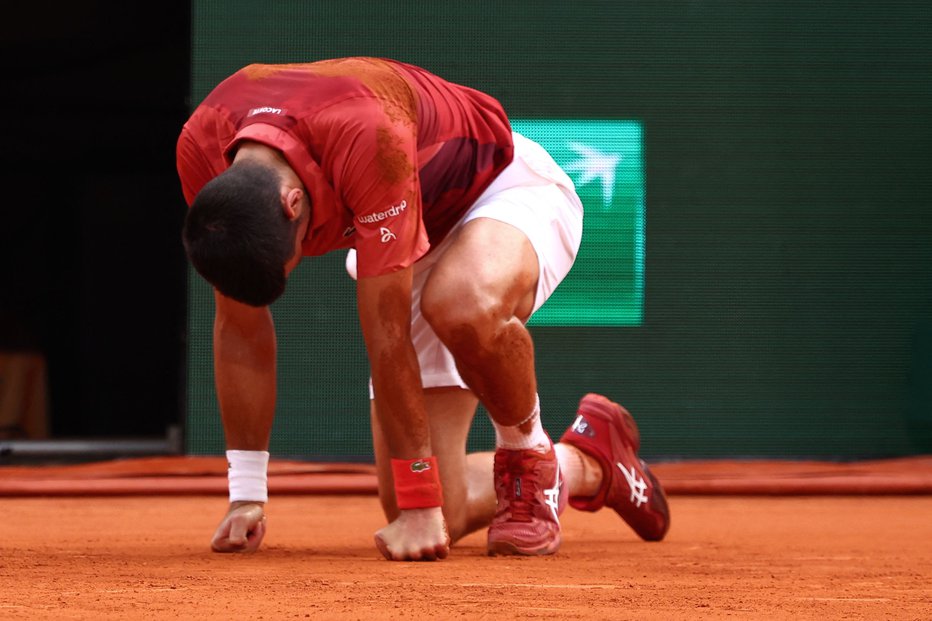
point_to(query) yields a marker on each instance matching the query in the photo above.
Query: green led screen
(603, 157)
(759, 283)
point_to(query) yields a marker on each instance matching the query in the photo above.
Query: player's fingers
(391, 555)
(254, 536)
(436, 553)
(224, 544)
(220, 542)
(217, 544)
(383, 547)
(239, 531)
(251, 542)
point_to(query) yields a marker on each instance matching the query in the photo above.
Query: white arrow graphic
(594, 164)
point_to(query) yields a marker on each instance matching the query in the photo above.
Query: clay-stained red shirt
(391, 155)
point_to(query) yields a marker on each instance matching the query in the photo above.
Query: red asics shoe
(607, 432)
(531, 496)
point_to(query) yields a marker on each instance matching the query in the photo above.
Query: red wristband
(417, 483)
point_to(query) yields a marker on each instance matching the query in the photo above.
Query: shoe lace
(519, 485)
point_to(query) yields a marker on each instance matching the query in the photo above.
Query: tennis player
(461, 230)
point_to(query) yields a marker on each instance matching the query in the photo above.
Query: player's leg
(582, 477)
(468, 490)
(516, 243)
(476, 300)
(469, 499)
(597, 454)
(468, 495)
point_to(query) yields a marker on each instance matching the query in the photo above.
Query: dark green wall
(788, 297)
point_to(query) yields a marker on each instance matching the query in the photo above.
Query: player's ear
(291, 202)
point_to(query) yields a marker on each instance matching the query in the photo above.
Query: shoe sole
(505, 548)
(661, 497)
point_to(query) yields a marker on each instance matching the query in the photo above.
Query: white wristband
(248, 475)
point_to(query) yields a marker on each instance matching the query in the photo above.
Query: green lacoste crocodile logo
(420, 466)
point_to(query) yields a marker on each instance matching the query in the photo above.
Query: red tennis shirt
(391, 155)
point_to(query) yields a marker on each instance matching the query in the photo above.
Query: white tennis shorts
(535, 196)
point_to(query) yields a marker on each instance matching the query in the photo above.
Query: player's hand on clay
(417, 535)
(241, 530)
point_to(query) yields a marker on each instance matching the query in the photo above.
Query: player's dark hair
(237, 236)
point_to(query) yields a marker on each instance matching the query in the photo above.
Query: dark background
(788, 150)
(94, 94)
(788, 171)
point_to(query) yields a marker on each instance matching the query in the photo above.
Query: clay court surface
(726, 556)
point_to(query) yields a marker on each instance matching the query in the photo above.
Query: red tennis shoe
(531, 496)
(607, 432)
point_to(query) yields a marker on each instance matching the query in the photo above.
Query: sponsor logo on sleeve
(372, 218)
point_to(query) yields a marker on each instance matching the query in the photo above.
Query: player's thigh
(491, 268)
(450, 412)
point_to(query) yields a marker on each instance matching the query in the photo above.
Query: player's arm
(244, 369)
(385, 316)
(369, 154)
(419, 532)
(370, 158)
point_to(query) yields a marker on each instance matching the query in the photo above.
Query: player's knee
(460, 314)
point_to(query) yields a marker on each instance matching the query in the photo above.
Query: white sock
(514, 439)
(580, 478)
